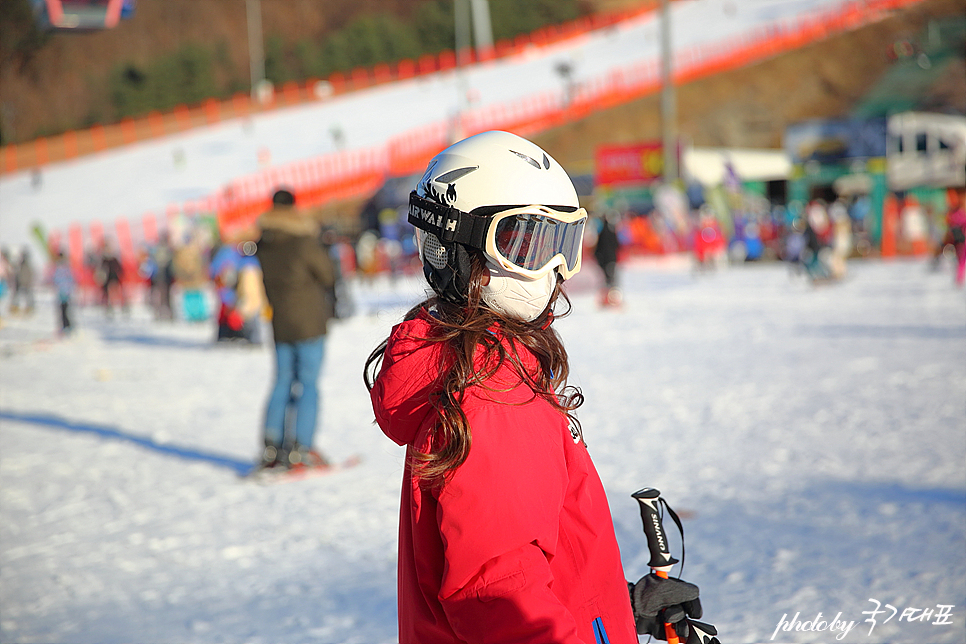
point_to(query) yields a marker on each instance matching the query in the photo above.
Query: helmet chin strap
(515, 296)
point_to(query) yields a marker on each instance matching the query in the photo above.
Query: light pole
(668, 134)
(482, 30)
(482, 33)
(256, 52)
(462, 29)
(462, 33)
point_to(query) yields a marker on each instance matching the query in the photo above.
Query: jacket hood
(410, 374)
(288, 221)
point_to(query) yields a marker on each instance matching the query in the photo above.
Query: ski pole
(661, 560)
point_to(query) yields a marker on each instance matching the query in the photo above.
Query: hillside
(67, 84)
(751, 107)
(748, 107)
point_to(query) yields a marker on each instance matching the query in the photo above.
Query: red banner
(628, 164)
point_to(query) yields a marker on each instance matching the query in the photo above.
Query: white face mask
(518, 297)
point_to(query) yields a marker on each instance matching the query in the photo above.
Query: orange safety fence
(349, 174)
(75, 143)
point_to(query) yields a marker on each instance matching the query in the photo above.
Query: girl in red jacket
(505, 534)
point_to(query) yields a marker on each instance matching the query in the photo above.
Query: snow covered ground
(814, 439)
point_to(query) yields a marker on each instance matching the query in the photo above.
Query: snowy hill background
(150, 176)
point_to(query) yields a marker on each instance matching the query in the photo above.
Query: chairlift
(81, 15)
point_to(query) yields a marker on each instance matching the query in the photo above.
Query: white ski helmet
(503, 195)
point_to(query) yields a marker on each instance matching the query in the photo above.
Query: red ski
(270, 476)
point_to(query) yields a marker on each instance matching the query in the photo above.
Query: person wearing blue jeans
(297, 368)
(297, 273)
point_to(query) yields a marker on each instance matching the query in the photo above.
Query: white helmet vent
(433, 252)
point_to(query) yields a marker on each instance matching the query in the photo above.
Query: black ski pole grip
(705, 633)
(657, 543)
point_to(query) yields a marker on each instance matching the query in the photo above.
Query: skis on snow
(282, 474)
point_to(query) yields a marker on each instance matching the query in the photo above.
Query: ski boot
(273, 458)
(611, 297)
(301, 457)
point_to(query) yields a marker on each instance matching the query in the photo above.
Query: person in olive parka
(297, 273)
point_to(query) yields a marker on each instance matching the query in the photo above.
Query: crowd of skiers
(816, 238)
(177, 277)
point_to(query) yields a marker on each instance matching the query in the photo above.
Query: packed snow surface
(813, 439)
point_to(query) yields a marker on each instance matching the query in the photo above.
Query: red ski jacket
(518, 545)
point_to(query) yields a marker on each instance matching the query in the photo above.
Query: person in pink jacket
(505, 534)
(956, 221)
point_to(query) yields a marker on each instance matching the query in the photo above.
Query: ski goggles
(528, 240)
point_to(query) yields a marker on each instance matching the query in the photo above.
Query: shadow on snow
(187, 453)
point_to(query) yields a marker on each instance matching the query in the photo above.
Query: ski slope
(149, 176)
(814, 439)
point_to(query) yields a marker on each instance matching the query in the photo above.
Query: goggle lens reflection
(530, 241)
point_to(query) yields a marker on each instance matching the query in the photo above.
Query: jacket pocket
(502, 587)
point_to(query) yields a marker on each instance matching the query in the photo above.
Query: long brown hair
(464, 329)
